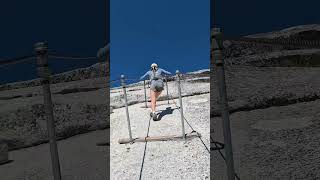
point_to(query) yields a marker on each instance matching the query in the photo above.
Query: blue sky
(174, 34)
(76, 27)
(252, 16)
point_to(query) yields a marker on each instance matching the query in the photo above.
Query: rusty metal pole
(123, 84)
(167, 90)
(145, 93)
(220, 73)
(181, 107)
(41, 50)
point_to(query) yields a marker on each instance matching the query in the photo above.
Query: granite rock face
(95, 71)
(4, 152)
(27, 126)
(77, 104)
(287, 54)
(273, 96)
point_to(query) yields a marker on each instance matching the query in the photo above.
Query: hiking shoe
(154, 117)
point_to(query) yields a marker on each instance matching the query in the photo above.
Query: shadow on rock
(167, 111)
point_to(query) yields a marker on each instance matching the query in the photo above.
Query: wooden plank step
(160, 138)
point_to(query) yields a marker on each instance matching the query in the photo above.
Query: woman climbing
(156, 86)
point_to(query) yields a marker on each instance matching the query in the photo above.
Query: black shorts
(157, 85)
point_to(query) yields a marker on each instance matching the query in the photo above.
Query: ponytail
(154, 68)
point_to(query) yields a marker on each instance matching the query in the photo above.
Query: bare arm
(142, 77)
(165, 72)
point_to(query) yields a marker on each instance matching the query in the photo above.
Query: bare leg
(158, 94)
(154, 96)
(153, 100)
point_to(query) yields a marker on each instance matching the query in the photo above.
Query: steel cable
(72, 57)
(114, 80)
(283, 42)
(16, 60)
(193, 130)
(218, 148)
(57, 55)
(145, 150)
(171, 97)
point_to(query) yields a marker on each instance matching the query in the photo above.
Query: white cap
(154, 65)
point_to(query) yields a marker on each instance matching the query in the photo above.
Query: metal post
(219, 65)
(41, 50)
(123, 84)
(181, 107)
(145, 93)
(167, 90)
